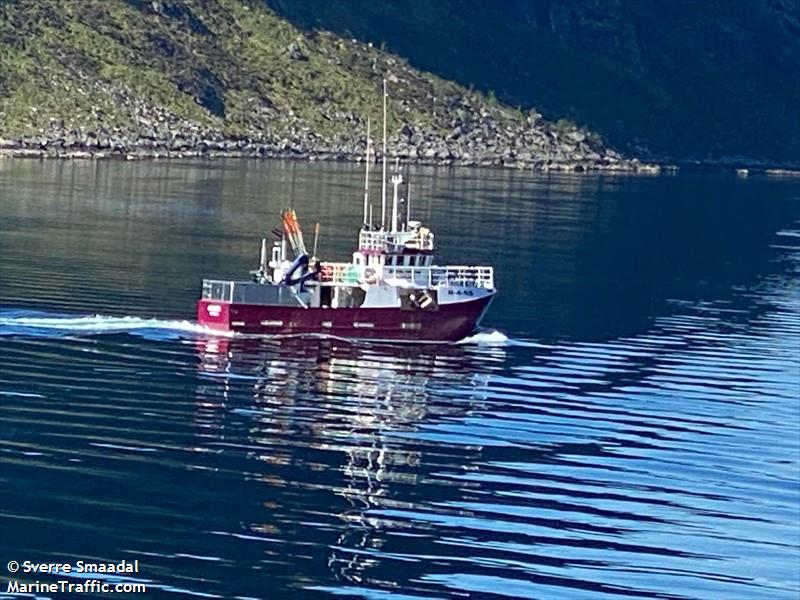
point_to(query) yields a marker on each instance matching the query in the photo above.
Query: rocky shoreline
(467, 135)
(90, 147)
(97, 147)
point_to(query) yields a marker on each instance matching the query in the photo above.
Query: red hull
(449, 322)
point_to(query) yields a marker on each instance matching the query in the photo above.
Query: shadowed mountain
(714, 81)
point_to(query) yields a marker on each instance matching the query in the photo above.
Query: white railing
(422, 277)
(343, 273)
(353, 275)
(215, 289)
(450, 275)
(384, 240)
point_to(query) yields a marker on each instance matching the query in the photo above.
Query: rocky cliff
(139, 78)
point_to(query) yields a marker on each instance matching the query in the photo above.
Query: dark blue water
(626, 427)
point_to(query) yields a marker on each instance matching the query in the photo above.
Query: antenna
(396, 181)
(366, 176)
(408, 203)
(383, 180)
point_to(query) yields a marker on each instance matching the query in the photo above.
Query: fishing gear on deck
(293, 232)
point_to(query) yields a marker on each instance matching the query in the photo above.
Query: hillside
(714, 81)
(230, 77)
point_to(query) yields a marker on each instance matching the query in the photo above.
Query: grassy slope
(221, 67)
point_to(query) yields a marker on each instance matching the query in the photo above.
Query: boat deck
(351, 275)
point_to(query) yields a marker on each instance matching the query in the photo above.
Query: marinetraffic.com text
(26, 578)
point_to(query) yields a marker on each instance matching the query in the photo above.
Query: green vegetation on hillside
(224, 65)
(231, 77)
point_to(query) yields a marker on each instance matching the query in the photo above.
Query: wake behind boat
(391, 289)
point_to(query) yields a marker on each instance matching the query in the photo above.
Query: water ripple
(657, 462)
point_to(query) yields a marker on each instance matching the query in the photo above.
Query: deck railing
(423, 277)
(215, 289)
(250, 292)
(350, 274)
(384, 240)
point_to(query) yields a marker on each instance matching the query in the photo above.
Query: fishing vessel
(390, 290)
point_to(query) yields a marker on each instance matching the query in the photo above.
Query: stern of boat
(213, 314)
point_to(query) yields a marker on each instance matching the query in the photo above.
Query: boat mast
(366, 177)
(383, 180)
(397, 179)
(408, 203)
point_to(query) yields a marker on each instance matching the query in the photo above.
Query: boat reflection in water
(351, 426)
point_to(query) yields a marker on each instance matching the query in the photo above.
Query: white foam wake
(486, 338)
(18, 323)
(48, 324)
(498, 338)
